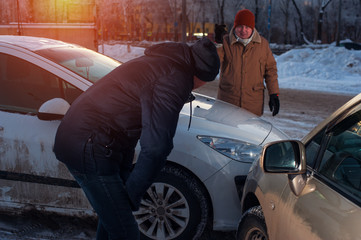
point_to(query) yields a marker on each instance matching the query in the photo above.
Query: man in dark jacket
(139, 100)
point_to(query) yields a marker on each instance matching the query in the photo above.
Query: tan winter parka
(245, 71)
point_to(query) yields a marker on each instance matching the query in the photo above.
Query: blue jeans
(103, 185)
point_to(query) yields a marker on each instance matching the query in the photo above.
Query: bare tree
(303, 36)
(256, 14)
(324, 4)
(173, 7)
(193, 15)
(153, 19)
(220, 12)
(284, 6)
(160, 19)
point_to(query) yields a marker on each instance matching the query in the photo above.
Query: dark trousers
(103, 185)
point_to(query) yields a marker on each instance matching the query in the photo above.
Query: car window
(341, 162)
(25, 86)
(313, 147)
(84, 62)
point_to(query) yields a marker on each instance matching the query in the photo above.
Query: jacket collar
(256, 37)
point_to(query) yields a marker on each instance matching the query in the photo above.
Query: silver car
(197, 191)
(309, 189)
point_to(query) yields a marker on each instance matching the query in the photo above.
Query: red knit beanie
(244, 17)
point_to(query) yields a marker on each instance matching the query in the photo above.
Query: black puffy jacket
(139, 100)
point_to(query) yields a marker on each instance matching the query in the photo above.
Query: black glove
(274, 104)
(219, 31)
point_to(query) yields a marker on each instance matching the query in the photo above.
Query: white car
(198, 190)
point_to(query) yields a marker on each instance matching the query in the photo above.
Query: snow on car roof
(33, 43)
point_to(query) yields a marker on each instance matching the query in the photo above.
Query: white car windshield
(84, 62)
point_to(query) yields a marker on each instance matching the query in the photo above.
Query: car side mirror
(284, 157)
(287, 157)
(53, 109)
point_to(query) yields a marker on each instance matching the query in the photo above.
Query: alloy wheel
(164, 212)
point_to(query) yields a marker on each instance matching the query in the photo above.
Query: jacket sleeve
(271, 76)
(160, 111)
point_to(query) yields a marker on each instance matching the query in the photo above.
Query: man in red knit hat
(247, 65)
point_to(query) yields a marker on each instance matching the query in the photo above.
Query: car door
(28, 166)
(329, 206)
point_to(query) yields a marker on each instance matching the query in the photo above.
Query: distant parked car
(309, 189)
(196, 192)
(351, 45)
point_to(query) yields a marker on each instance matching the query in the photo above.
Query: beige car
(309, 189)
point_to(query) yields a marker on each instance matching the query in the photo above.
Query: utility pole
(184, 22)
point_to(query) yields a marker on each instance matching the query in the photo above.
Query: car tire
(252, 225)
(175, 207)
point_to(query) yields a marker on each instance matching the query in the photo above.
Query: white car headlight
(234, 149)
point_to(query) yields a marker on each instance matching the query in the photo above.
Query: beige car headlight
(234, 149)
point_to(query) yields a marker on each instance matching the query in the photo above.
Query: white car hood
(228, 121)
